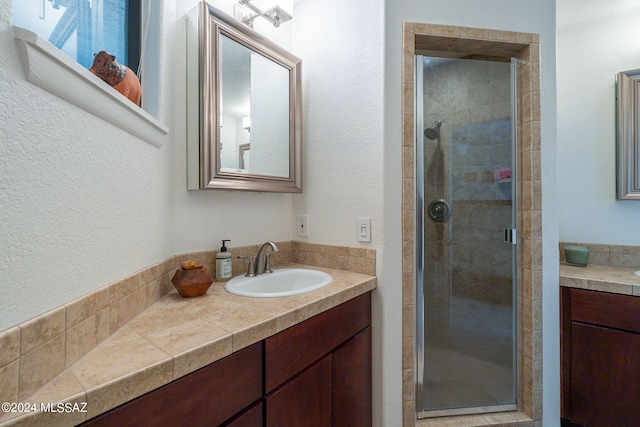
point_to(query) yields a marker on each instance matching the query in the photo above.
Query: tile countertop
(172, 338)
(618, 280)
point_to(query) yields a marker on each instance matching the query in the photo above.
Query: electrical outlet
(303, 225)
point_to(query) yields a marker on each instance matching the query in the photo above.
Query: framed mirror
(628, 134)
(244, 108)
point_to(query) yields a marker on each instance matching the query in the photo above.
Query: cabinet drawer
(293, 349)
(605, 309)
(206, 397)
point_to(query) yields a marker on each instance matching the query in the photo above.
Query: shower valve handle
(439, 210)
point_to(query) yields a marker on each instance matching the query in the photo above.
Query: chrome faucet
(262, 262)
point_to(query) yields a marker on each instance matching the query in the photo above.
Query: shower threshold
(467, 411)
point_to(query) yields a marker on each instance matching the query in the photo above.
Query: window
(60, 67)
(81, 28)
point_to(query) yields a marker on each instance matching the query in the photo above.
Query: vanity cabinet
(316, 373)
(320, 369)
(600, 358)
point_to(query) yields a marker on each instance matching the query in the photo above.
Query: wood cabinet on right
(600, 359)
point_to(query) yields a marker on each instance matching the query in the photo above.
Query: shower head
(433, 132)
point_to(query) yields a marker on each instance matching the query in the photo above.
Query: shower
(433, 132)
(465, 267)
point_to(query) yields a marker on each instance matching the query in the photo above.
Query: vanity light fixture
(246, 123)
(276, 15)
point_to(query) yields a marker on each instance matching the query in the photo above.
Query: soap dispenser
(224, 262)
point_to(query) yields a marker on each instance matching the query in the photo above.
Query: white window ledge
(52, 70)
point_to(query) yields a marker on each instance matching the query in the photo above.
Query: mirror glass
(244, 108)
(254, 112)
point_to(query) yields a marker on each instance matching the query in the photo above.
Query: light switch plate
(364, 229)
(303, 226)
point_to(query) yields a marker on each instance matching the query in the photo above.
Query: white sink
(281, 283)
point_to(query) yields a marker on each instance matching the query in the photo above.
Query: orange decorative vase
(192, 280)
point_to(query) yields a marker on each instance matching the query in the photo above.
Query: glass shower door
(465, 225)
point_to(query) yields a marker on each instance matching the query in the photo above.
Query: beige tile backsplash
(40, 365)
(358, 260)
(38, 350)
(86, 335)
(41, 329)
(10, 345)
(87, 306)
(610, 255)
(9, 378)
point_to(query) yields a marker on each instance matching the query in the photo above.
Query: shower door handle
(511, 236)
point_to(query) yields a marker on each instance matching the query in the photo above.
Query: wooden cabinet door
(605, 377)
(252, 417)
(351, 382)
(303, 401)
(600, 358)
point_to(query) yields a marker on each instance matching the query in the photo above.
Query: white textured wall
(84, 203)
(342, 70)
(341, 46)
(596, 40)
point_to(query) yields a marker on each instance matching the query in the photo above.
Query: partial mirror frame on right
(628, 134)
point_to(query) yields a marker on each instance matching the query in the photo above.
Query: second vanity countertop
(618, 280)
(175, 337)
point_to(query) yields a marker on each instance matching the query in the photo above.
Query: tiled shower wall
(472, 99)
(482, 266)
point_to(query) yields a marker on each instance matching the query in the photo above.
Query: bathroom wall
(85, 204)
(342, 108)
(596, 40)
(341, 45)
